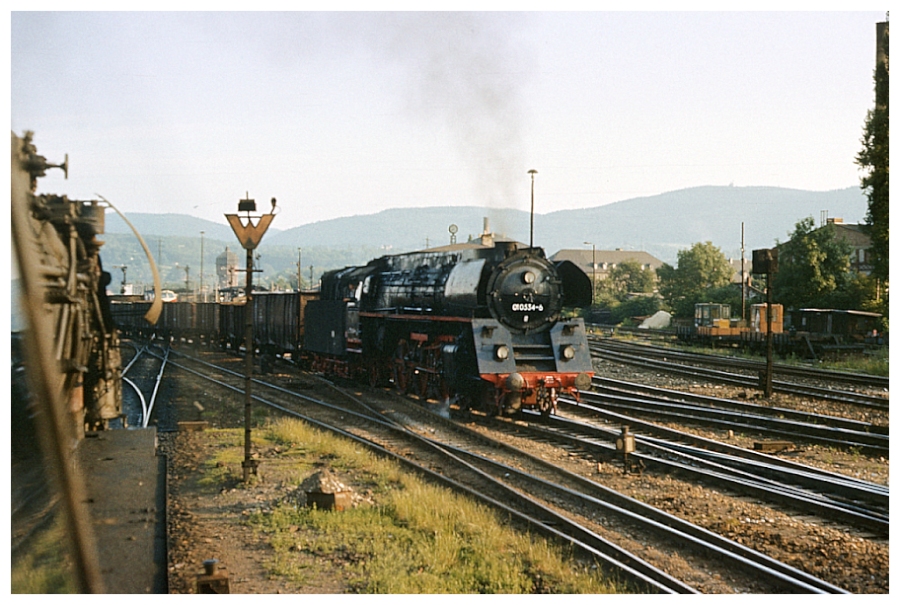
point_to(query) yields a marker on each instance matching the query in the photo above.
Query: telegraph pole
(249, 235)
(201, 267)
(743, 280)
(593, 270)
(532, 172)
(299, 267)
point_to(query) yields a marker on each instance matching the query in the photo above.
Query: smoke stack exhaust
(487, 238)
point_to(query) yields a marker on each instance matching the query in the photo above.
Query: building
(860, 244)
(859, 240)
(598, 263)
(227, 274)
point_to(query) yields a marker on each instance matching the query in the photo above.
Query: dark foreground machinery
(66, 371)
(63, 294)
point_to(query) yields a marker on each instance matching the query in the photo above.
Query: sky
(343, 113)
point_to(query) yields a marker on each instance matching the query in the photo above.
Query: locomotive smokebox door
(765, 261)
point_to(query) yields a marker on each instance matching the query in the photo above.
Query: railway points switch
(625, 444)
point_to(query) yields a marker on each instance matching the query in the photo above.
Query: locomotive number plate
(526, 307)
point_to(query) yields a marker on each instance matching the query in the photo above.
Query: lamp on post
(532, 172)
(593, 269)
(201, 267)
(249, 235)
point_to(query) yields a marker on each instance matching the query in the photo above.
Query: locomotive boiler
(478, 325)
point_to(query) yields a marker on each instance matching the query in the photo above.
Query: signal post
(765, 261)
(249, 235)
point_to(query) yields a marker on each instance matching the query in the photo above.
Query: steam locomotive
(478, 325)
(70, 345)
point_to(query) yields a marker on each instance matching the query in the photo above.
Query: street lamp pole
(249, 235)
(532, 172)
(202, 293)
(593, 270)
(299, 267)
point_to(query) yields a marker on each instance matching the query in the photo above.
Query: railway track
(613, 387)
(634, 356)
(832, 376)
(147, 371)
(422, 454)
(710, 412)
(467, 458)
(798, 488)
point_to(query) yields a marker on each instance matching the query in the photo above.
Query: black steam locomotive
(478, 325)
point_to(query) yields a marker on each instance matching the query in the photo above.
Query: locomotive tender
(475, 324)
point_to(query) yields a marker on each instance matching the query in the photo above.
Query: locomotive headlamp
(568, 352)
(528, 277)
(501, 352)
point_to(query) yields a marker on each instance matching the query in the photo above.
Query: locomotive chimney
(487, 238)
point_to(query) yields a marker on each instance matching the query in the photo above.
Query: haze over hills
(661, 224)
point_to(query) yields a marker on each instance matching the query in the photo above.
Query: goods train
(806, 332)
(70, 347)
(481, 326)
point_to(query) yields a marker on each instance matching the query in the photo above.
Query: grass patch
(218, 469)
(877, 363)
(44, 567)
(409, 537)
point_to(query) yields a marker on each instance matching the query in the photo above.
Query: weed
(44, 568)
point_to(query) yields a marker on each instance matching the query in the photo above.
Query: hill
(661, 225)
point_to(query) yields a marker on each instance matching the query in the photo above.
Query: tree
(628, 277)
(874, 160)
(701, 269)
(636, 306)
(813, 268)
